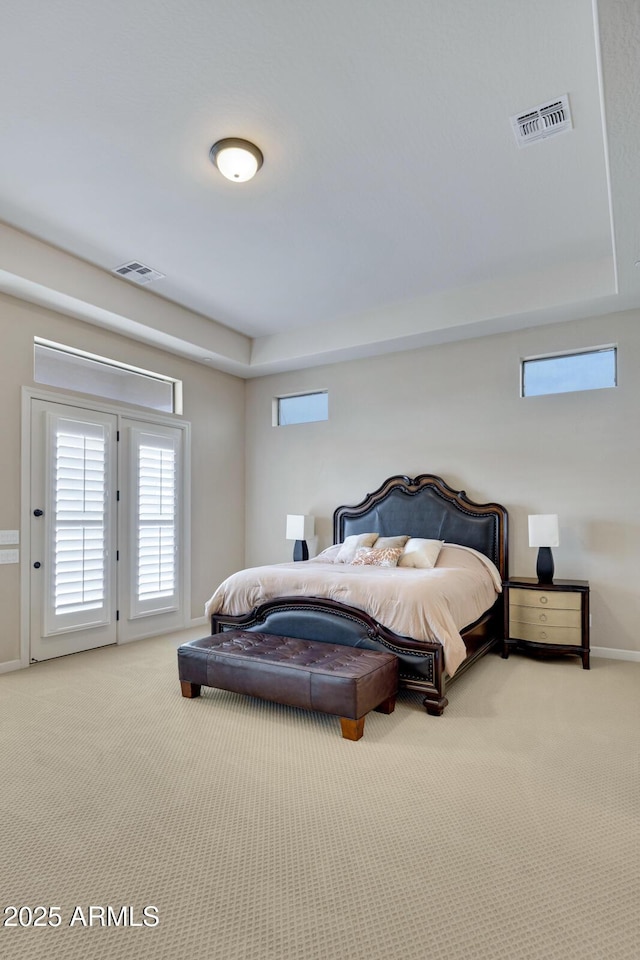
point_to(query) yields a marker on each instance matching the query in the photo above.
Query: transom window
(301, 408)
(71, 369)
(563, 373)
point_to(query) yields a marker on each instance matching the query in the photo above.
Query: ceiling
(394, 207)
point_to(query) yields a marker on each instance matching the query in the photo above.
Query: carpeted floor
(508, 829)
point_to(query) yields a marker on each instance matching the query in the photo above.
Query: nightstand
(547, 617)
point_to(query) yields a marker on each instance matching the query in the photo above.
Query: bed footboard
(421, 663)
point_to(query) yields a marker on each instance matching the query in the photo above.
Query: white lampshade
(300, 527)
(237, 160)
(543, 530)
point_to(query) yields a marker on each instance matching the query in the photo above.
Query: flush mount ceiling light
(237, 160)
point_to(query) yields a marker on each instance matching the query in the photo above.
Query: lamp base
(301, 551)
(544, 566)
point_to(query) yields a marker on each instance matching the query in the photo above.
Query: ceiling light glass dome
(237, 160)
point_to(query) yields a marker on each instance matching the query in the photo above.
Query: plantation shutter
(78, 521)
(155, 460)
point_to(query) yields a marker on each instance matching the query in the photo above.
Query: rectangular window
(77, 517)
(302, 408)
(79, 505)
(155, 456)
(564, 373)
(60, 366)
(156, 522)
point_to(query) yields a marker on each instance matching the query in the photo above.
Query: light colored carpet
(508, 828)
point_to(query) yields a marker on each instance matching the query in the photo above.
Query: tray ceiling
(394, 206)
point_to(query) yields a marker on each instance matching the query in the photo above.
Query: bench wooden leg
(190, 689)
(387, 706)
(352, 729)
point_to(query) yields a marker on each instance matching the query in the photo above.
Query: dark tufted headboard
(428, 507)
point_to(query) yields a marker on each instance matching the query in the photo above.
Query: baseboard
(606, 653)
(11, 665)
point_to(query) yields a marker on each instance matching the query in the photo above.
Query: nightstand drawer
(544, 617)
(547, 599)
(538, 633)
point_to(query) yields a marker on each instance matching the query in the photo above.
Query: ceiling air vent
(543, 121)
(138, 272)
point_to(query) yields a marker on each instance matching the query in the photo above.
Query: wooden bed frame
(423, 507)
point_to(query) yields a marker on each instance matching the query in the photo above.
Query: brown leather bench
(341, 680)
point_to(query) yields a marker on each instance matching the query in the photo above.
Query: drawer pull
(542, 618)
(543, 635)
(544, 599)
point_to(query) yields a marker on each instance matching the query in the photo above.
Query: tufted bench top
(332, 678)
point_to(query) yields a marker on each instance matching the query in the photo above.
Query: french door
(105, 529)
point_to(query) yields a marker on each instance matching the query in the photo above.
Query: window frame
(73, 352)
(556, 355)
(291, 396)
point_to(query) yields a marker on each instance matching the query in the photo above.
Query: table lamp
(543, 533)
(300, 529)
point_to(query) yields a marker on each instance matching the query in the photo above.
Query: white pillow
(329, 554)
(348, 549)
(420, 553)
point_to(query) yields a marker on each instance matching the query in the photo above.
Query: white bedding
(432, 605)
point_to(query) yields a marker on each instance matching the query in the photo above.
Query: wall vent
(138, 272)
(541, 122)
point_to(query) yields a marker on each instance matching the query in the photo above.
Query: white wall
(455, 410)
(213, 403)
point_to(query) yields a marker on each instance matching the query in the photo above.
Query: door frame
(121, 412)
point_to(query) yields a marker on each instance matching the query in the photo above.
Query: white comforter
(431, 605)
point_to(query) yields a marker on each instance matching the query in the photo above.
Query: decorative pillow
(386, 557)
(383, 542)
(351, 544)
(420, 553)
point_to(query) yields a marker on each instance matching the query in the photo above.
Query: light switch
(9, 536)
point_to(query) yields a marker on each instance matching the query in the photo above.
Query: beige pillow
(348, 549)
(368, 557)
(328, 555)
(420, 553)
(383, 542)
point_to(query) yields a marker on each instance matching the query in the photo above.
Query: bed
(424, 507)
